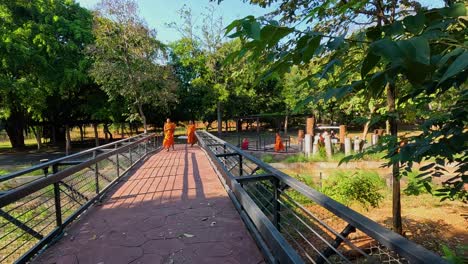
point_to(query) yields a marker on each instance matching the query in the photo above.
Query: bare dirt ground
(427, 221)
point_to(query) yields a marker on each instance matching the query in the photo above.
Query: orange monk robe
(169, 129)
(278, 143)
(191, 139)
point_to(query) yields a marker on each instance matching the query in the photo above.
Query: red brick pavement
(172, 209)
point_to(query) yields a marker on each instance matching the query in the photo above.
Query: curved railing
(293, 223)
(38, 202)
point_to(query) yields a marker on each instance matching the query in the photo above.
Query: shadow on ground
(172, 209)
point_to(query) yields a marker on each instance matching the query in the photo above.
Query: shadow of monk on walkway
(171, 209)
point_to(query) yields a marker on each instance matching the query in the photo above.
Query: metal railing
(293, 223)
(38, 202)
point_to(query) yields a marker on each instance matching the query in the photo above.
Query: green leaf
(310, 48)
(456, 10)
(337, 93)
(387, 49)
(252, 30)
(335, 43)
(271, 35)
(377, 84)
(460, 64)
(449, 55)
(416, 49)
(414, 24)
(370, 61)
(303, 103)
(231, 26)
(374, 33)
(394, 29)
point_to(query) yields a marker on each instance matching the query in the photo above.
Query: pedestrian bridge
(130, 202)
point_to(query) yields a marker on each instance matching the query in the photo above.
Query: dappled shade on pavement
(171, 209)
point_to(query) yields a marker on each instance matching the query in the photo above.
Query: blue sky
(158, 13)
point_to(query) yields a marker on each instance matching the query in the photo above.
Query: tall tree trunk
(286, 124)
(107, 133)
(14, 127)
(81, 133)
(226, 123)
(54, 135)
(38, 135)
(367, 125)
(392, 121)
(67, 140)
(104, 129)
(96, 135)
(143, 118)
(220, 125)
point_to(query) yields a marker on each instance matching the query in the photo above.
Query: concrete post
(315, 145)
(328, 146)
(357, 145)
(347, 146)
(375, 139)
(308, 144)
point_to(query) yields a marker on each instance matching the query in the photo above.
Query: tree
(410, 52)
(126, 55)
(41, 48)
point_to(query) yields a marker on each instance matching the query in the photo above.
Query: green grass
(268, 158)
(337, 157)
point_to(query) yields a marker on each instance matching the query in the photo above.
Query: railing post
(130, 153)
(241, 170)
(146, 147)
(96, 173)
(58, 206)
(45, 169)
(276, 204)
(117, 162)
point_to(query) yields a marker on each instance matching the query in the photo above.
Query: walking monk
(191, 139)
(169, 129)
(278, 143)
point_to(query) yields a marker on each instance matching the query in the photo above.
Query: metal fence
(38, 202)
(293, 223)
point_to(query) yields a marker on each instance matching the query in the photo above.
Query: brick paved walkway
(173, 209)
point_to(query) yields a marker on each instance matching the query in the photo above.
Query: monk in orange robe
(278, 143)
(191, 139)
(169, 129)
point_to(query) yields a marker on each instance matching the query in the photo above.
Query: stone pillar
(357, 145)
(347, 146)
(375, 139)
(315, 145)
(308, 144)
(310, 125)
(328, 147)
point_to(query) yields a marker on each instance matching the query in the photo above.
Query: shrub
(415, 185)
(362, 187)
(296, 158)
(268, 158)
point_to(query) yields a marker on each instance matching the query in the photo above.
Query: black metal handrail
(64, 158)
(35, 213)
(273, 206)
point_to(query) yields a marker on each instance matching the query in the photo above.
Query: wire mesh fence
(319, 229)
(36, 209)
